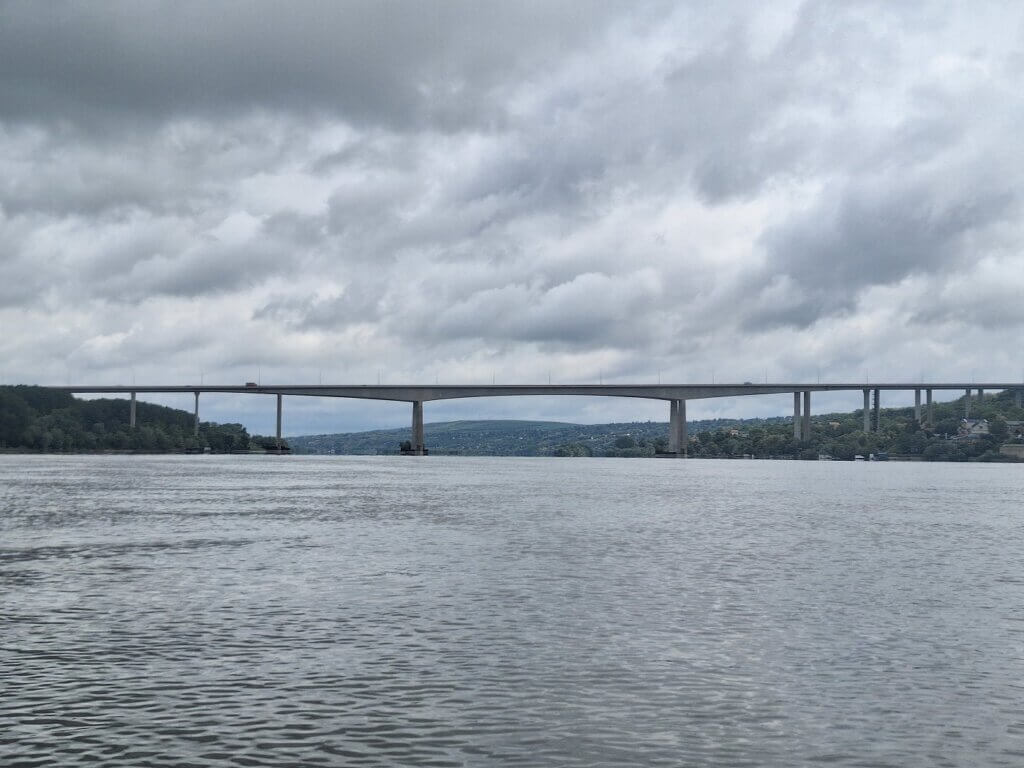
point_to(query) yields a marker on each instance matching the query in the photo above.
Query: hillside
(996, 422)
(514, 438)
(38, 419)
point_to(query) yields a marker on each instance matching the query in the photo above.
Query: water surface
(203, 610)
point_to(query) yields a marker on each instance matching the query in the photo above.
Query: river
(209, 610)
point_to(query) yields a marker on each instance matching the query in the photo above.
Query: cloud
(399, 64)
(455, 191)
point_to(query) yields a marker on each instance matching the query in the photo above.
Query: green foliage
(573, 449)
(15, 418)
(840, 436)
(998, 429)
(35, 418)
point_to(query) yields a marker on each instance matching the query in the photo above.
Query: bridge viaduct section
(676, 395)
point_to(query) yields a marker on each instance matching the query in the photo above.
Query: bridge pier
(418, 447)
(678, 441)
(917, 407)
(805, 427)
(867, 410)
(195, 427)
(931, 407)
(796, 417)
(673, 426)
(967, 404)
(279, 424)
(131, 412)
(681, 437)
(878, 409)
(1017, 397)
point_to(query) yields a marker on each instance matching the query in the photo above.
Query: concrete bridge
(675, 394)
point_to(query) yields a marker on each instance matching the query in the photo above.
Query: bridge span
(675, 394)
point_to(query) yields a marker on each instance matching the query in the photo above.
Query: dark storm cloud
(402, 64)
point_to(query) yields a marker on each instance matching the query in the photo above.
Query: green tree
(998, 429)
(15, 418)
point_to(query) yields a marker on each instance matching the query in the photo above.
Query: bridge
(676, 394)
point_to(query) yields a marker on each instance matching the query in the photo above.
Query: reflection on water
(396, 611)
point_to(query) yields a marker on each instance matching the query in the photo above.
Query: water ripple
(258, 611)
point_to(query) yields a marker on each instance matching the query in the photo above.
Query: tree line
(38, 419)
(841, 436)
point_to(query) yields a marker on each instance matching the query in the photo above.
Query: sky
(464, 192)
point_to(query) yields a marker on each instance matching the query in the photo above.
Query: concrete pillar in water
(967, 404)
(683, 438)
(279, 423)
(673, 426)
(796, 415)
(417, 427)
(931, 407)
(805, 429)
(131, 412)
(195, 427)
(917, 406)
(878, 409)
(867, 410)
(1017, 397)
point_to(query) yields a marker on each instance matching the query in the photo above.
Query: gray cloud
(464, 189)
(401, 64)
(871, 237)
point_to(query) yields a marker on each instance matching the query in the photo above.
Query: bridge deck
(413, 393)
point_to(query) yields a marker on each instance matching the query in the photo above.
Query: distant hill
(512, 438)
(997, 423)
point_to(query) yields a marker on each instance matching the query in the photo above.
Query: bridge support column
(967, 404)
(279, 425)
(805, 427)
(931, 407)
(981, 397)
(867, 410)
(1017, 398)
(681, 437)
(417, 428)
(796, 416)
(917, 406)
(131, 412)
(878, 409)
(673, 426)
(195, 427)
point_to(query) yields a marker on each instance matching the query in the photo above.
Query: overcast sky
(455, 191)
